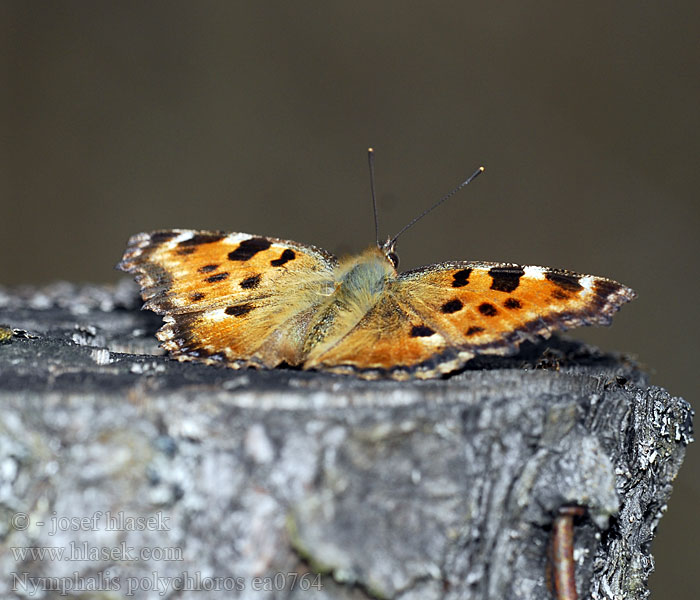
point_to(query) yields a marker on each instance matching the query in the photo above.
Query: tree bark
(289, 484)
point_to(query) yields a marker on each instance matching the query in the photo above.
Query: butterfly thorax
(362, 278)
(359, 282)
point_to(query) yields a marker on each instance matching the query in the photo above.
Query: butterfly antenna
(370, 157)
(447, 196)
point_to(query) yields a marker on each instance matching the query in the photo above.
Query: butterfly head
(388, 249)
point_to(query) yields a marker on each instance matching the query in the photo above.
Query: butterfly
(255, 301)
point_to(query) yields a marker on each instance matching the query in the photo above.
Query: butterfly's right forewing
(236, 298)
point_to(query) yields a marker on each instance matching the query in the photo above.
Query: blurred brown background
(118, 117)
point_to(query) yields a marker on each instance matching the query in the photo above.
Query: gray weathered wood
(438, 489)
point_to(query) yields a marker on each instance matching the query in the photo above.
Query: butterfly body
(358, 284)
(247, 300)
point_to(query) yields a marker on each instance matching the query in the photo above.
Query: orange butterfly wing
(258, 301)
(432, 320)
(231, 297)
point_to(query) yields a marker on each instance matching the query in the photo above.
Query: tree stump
(123, 472)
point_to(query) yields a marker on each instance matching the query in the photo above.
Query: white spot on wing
(237, 238)
(216, 315)
(535, 272)
(186, 235)
(587, 282)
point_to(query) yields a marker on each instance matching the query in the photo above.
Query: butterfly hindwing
(389, 338)
(226, 296)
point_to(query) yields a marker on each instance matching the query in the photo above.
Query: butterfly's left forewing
(493, 305)
(432, 320)
(234, 297)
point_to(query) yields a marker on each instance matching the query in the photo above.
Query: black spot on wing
(474, 330)
(461, 278)
(421, 331)
(202, 238)
(566, 282)
(158, 237)
(197, 296)
(603, 289)
(239, 310)
(251, 282)
(286, 256)
(452, 306)
(247, 249)
(208, 268)
(505, 279)
(512, 303)
(217, 277)
(487, 309)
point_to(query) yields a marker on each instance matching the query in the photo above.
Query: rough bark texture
(439, 489)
